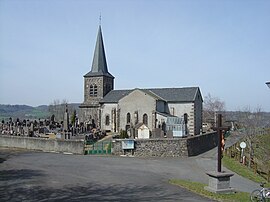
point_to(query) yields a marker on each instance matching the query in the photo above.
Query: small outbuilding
(142, 131)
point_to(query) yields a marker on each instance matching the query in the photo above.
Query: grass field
(198, 188)
(262, 148)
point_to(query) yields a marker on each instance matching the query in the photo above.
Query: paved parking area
(36, 176)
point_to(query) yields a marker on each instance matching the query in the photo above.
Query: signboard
(243, 145)
(127, 144)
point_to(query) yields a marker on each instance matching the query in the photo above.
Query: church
(177, 111)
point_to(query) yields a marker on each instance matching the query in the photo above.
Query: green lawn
(198, 188)
(234, 197)
(242, 170)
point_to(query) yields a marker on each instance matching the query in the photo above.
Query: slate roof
(186, 94)
(115, 95)
(99, 64)
(176, 94)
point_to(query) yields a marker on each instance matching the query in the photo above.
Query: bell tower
(97, 83)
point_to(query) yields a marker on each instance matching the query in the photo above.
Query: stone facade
(174, 147)
(116, 110)
(140, 106)
(95, 88)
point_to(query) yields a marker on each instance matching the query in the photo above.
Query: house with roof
(116, 110)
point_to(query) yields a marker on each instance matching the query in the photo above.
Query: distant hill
(23, 111)
(28, 112)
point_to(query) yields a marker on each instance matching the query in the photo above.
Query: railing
(257, 166)
(103, 147)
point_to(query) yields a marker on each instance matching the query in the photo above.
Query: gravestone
(31, 130)
(66, 120)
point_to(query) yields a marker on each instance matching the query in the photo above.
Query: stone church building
(175, 109)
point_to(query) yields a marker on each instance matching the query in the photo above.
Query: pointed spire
(99, 64)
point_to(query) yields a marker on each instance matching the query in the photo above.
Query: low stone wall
(199, 144)
(165, 147)
(153, 148)
(48, 145)
(174, 147)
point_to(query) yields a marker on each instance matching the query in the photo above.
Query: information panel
(127, 144)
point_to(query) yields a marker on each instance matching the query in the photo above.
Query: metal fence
(258, 167)
(98, 148)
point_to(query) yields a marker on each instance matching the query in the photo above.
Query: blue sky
(221, 46)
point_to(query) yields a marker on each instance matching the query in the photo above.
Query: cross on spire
(100, 19)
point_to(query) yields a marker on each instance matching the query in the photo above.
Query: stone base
(219, 182)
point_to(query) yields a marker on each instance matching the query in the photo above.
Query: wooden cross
(219, 130)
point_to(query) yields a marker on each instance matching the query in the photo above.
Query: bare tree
(58, 108)
(211, 106)
(73, 117)
(250, 121)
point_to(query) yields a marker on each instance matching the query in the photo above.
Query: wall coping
(38, 138)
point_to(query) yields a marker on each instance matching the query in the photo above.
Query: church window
(185, 118)
(136, 117)
(93, 90)
(172, 111)
(145, 119)
(107, 120)
(128, 118)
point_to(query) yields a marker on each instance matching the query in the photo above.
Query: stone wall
(201, 143)
(48, 145)
(174, 147)
(165, 147)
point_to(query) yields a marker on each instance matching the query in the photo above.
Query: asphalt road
(36, 176)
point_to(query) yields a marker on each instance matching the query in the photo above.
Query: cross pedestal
(219, 182)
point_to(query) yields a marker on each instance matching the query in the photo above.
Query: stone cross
(66, 120)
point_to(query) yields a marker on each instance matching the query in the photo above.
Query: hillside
(27, 112)
(23, 111)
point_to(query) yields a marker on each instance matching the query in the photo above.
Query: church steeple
(97, 84)
(99, 64)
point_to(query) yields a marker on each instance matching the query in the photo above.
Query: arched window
(172, 111)
(136, 118)
(128, 118)
(91, 90)
(185, 118)
(107, 120)
(145, 119)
